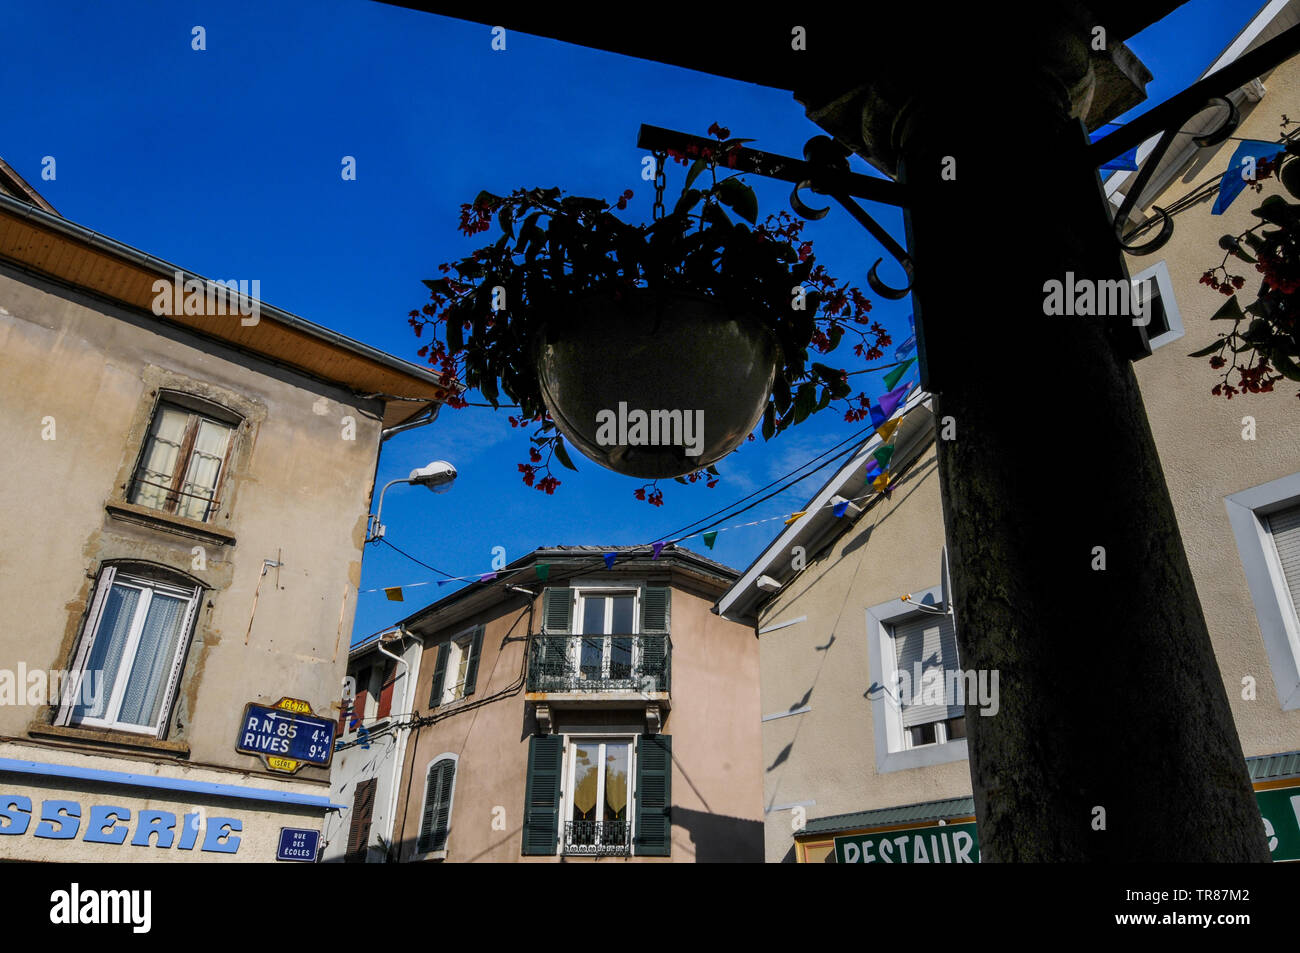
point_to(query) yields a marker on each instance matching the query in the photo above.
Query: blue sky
(227, 162)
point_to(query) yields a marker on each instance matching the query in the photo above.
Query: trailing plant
(486, 309)
(1263, 346)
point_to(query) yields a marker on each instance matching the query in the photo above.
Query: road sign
(287, 735)
(297, 844)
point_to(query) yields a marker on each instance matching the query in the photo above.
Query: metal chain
(661, 180)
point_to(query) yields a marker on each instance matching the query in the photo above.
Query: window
(183, 461)
(913, 678)
(598, 796)
(1266, 524)
(435, 822)
(456, 674)
(602, 794)
(1166, 324)
(925, 651)
(608, 620)
(130, 654)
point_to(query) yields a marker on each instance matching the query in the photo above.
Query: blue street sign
(297, 844)
(286, 735)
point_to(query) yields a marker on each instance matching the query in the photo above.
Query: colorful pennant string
(394, 594)
(543, 570)
(710, 538)
(658, 548)
(609, 560)
(883, 455)
(840, 508)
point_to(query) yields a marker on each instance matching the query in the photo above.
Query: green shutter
(542, 794)
(655, 604)
(557, 610)
(654, 797)
(436, 820)
(439, 675)
(471, 669)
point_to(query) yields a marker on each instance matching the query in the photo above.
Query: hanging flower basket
(654, 349)
(655, 385)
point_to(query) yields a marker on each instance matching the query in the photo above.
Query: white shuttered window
(1284, 526)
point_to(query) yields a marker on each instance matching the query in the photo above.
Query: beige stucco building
(569, 710)
(859, 768)
(185, 491)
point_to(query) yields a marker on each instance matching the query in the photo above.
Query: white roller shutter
(1284, 526)
(930, 640)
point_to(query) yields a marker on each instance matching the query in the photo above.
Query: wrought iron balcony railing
(599, 663)
(598, 837)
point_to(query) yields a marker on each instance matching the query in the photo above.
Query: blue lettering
(102, 827)
(154, 822)
(16, 812)
(219, 837)
(51, 814)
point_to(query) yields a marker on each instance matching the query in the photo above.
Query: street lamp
(437, 476)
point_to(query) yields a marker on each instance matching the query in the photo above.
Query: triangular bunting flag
(883, 454)
(658, 548)
(710, 538)
(487, 577)
(443, 582)
(394, 593)
(886, 430)
(794, 516)
(609, 560)
(908, 346)
(878, 416)
(1233, 183)
(840, 508)
(889, 403)
(880, 483)
(543, 570)
(893, 377)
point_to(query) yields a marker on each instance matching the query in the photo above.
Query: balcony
(598, 838)
(576, 665)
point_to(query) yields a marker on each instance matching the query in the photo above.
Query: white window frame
(568, 769)
(458, 648)
(451, 806)
(109, 577)
(1159, 274)
(1277, 618)
(607, 647)
(891, 741)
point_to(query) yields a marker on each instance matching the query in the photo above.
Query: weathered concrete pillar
(1113, 740)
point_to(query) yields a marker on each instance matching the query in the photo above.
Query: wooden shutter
(439, 675)
(436, 820)
(386, 694)
(363, 691)
(656, 601)
(557, 610)
(930, 640)
(471, 667)
(72, 689)
(363, 805)
(1285, 528)
(542, 794)
(653, 795)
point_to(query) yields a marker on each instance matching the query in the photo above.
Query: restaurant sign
(944, 844)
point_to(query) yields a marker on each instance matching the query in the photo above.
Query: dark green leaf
(805, 401)
(714, 215)
(769, 421)
(455, 334)
(1285, 366)
(688, 201)
(698, 166)
(740, 197)
(1231, 311)
(563, 455)
(713, 470)
(506, 220)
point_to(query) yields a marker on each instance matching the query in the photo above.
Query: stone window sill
(96, 736)
(169, 522)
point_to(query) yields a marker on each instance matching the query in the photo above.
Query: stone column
(1113, 739)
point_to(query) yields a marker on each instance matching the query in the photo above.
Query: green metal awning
(1269, 767)
(889, 816)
